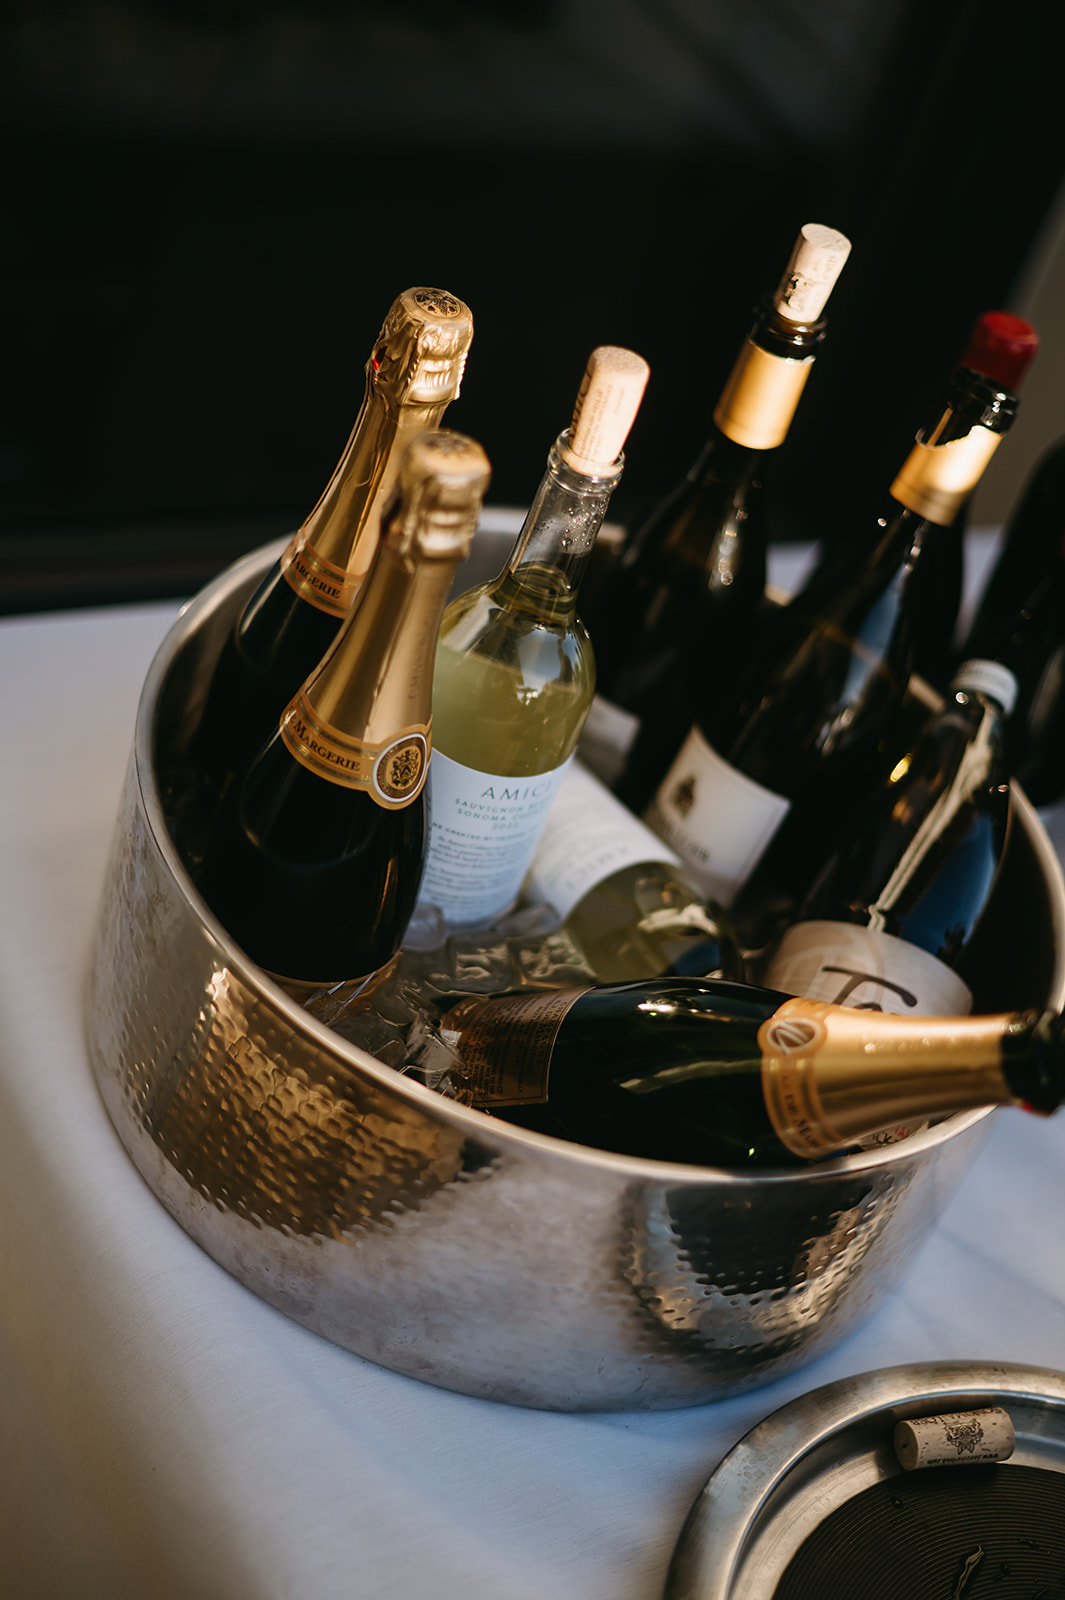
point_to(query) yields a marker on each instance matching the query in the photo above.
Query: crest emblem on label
(788, 1036)
(399, 771)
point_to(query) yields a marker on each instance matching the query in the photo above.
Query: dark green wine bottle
(724, 1074)
(315, 860)
(791, 747)
(674, 606)
(413, 372)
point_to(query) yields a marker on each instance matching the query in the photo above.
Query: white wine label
(866, 970)
(717, 820)
(589, 835)
(957, 1437)
(392, 774)
(507, 1059)
(329, 587)
(484, 828)
(606, 738)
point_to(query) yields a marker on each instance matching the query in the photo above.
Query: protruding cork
(959, 1436)
(442, 481)
(816, 262)
(609, 398)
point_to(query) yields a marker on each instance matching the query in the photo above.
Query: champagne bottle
(888, 922)
(725, 1074)
(514, 667)
(677, 600)
(315, 861)
(412, 374)
(797, 738)
(626, 901)
(1021, 619)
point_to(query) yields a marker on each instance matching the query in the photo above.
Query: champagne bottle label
(484, 829)
(393, 774)
(325, 585)
(866, 970)
(717, 820)
(588, 837)
(607, 738)
(508, 1063)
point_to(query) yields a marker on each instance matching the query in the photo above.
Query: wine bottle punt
(626, 900)
(515, 671)
(315, 861)
(413, 373)
(888, 923)
(725, 1074)
(675, 603)
(796, 739)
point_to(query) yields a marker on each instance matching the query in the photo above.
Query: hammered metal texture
(426, 1236)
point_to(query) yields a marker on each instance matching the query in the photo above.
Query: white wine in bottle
(514, 667)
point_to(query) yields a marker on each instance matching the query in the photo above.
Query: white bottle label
(606, 738)
(483, 830)
(717, 820)
(589, 836)
(860, 967)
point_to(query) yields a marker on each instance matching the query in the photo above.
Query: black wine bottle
(725, 1074)
(413, 373)
(1001, 347)
(1021, 620)
(888, 923)
(675, 602)
(797, 737)
(315, 860)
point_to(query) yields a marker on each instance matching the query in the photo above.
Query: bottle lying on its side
(725, 1074)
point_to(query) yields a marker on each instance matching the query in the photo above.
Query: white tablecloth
(164, 1436)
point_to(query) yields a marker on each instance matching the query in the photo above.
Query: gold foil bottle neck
(936, 479)
(607, 403)
(443, 479)
(420, 353)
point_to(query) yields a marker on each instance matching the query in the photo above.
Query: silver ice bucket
(445, 1244)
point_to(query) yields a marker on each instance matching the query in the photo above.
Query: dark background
(208, 208)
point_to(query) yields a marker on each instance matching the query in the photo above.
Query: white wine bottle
(413, 373)
(314, 864)
(675, 605)
(725, 1074)
(888, 922)
(515, 672)
(625, 898)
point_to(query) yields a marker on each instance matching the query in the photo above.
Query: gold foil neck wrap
(760, 397)
(314, 577)
(936, 479)
(393, 773)
(443, 479)
(831, 1074)
(420, 353)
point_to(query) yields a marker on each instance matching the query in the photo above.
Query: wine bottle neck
(329, 558)
(544, 569)
(758, 402)
(831, 1074)
(950, 454)
(375, 685)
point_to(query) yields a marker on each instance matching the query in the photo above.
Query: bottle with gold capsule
(674, 607)
(514, 668)
(725, 1074)
(314, 864)
(413, 373)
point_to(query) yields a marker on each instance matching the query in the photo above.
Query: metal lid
(824, 1451)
